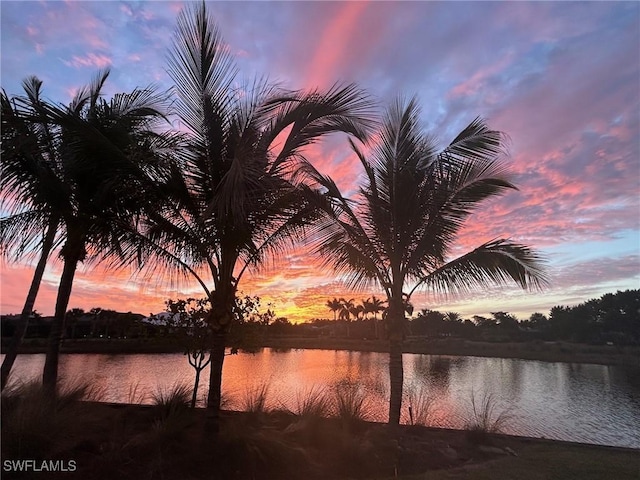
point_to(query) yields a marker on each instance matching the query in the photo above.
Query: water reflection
(579, 402)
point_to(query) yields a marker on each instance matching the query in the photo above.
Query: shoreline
(538, 351)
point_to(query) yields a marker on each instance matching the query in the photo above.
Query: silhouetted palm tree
(375, 305)
(335, 306)
(346, 310)
(401, 228)
(104, 150)
(30, 193)
(366, 308)
(235, 194)
(453, 316)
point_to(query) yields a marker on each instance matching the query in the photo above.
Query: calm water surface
(578, 402)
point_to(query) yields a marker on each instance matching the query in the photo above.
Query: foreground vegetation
(168, 441)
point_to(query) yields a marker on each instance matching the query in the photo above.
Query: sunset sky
(561, 79)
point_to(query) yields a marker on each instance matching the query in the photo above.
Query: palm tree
(234, 195)
(31, 194)
(376, 239)
(346, 309)
(107, 151)
(375, 305)
(335, 306)
(357, 311)
(366, 308)
(453, 316)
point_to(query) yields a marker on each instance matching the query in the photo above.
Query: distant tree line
(612, 318)
(95, 323)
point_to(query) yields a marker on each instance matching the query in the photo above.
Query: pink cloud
(481, 77)
(90, 60)
(333, 44)
(126, 9)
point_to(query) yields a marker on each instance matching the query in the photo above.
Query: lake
(578, 402)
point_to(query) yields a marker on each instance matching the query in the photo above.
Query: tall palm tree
(106, 153)
(399, 231)
(30, 193)
(234, 195)
(335, 306)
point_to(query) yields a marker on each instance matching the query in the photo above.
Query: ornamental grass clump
(172, 400)
(36, 424)
(255, 399)
(351, 402)
(313, 402)
(487, 417)
(419, 405)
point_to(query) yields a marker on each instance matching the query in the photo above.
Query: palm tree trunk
(215, 383)
(396, 378)
(50, 371)
(375, 327)
(215, 376)
(23, 324)
(396, 372)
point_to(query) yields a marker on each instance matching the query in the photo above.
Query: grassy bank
(537, 350)
(168, 441)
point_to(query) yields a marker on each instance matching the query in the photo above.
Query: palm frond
(497, 262)
(202, 69)
(311, 115)
(89, 93)
(476, 142)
